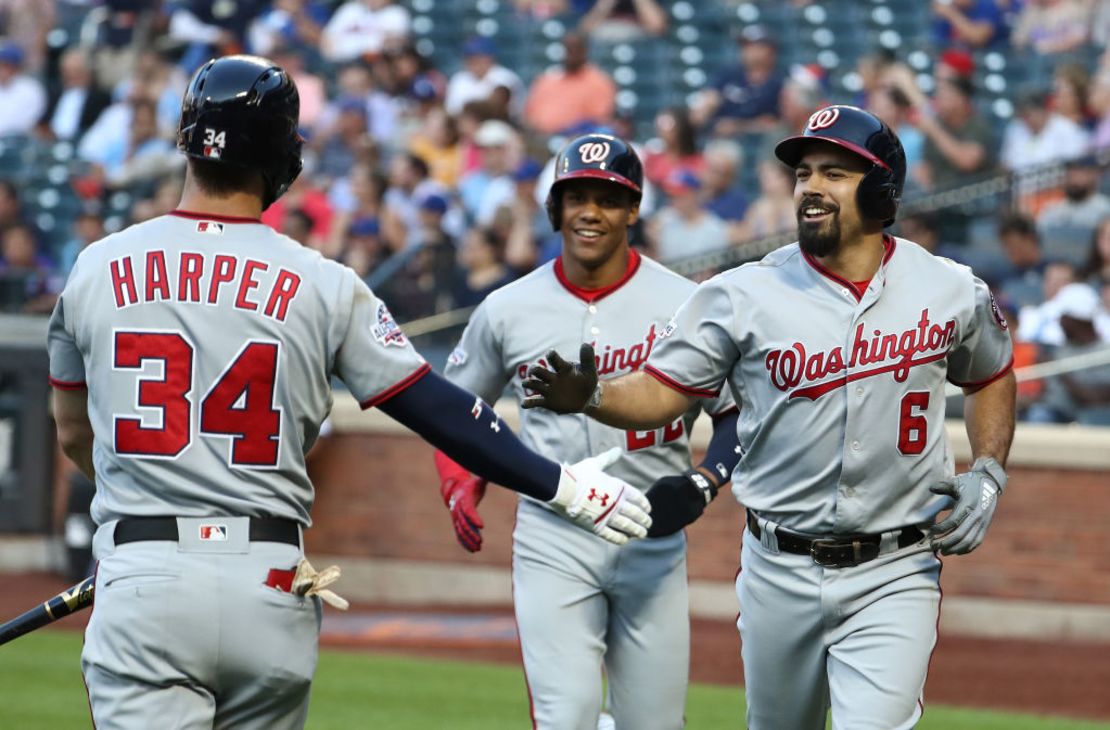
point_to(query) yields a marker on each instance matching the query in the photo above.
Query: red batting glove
(462, 495)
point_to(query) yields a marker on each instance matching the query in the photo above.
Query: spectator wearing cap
(620, 21)
(578, 92)
(22, 98)
(363, 29)
(1051, 27)
(480, 76)
(960, 145)
(529, 227)
(802, 93)
(684, 227)
(78, 101)
(970, 24)
(88, 228)
(1067, 226)
(346, 143)
(1080, 395)
(720, 191)
(1023, 284)
(674, 147)
(482, 191)
(1040, 136)
(408, 185)
(744, 97)
(363, 249)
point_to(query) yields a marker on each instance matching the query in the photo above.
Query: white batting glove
(600, 503)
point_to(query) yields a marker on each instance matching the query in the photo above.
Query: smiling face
(596, 215)
(826, 180)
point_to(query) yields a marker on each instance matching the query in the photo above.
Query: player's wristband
(703, 484)
(595, 398)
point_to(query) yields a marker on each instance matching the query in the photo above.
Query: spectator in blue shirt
(968, 24)
(745, 96)
(720, 191)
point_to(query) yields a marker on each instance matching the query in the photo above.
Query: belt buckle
(833, 553)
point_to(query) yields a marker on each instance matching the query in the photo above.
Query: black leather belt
(138, 529)
(838, 551)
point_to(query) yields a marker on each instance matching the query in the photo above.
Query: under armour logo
(593, 496)
(823, 118)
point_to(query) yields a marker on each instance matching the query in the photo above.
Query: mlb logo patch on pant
(215, 533)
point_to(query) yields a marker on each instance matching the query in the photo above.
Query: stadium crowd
(429, 178)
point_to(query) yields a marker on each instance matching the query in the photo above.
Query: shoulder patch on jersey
(668, 330)
(457, 357)
(386, 331)
(999, 319)
(214, 228)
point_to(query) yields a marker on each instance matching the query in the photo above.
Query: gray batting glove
(974, 496)
(599, 503)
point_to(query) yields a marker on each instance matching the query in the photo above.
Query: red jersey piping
(67, 384)
(396, 387)
(857, 292)
(592, 295)
(213, 217)
(670, 382)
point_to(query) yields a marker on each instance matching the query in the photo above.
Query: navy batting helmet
(596, 156)
(862, 132)
(243, 111)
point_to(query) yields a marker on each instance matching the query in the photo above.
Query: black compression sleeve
(723, 452)
(461, 425)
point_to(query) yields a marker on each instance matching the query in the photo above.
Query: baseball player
(582, 604)
(838, 348)
(191, 358)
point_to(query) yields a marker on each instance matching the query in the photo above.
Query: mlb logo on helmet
(213, 533)
(213, 152)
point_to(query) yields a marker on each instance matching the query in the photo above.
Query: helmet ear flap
(877, 195)
(554, 210)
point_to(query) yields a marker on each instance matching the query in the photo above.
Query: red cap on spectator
(959, 61)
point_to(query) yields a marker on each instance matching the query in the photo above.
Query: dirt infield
(1023, 676)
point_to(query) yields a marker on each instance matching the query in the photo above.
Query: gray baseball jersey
(207, 345)
(842, 429)
(580, 601)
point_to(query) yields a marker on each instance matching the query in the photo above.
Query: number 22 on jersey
(239, 404)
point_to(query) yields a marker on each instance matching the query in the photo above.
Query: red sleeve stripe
(984, 383)
(396, 387)
(670, 382)
(67, 384)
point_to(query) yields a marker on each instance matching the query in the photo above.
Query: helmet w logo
(594, 152)
(824, 118)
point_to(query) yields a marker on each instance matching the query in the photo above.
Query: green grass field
(42, 688)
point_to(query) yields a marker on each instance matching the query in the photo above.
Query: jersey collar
(592, 295)
(888, 245)
(213, 217)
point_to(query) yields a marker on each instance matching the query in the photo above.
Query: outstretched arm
(635, 401)
(471, 433)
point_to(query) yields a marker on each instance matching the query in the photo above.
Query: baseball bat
(71, 600)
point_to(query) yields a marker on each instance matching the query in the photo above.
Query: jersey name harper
(203, 278)
(894, 353)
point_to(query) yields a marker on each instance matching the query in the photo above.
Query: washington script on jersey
(202, 278)
(889, 352)
(609, 359)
